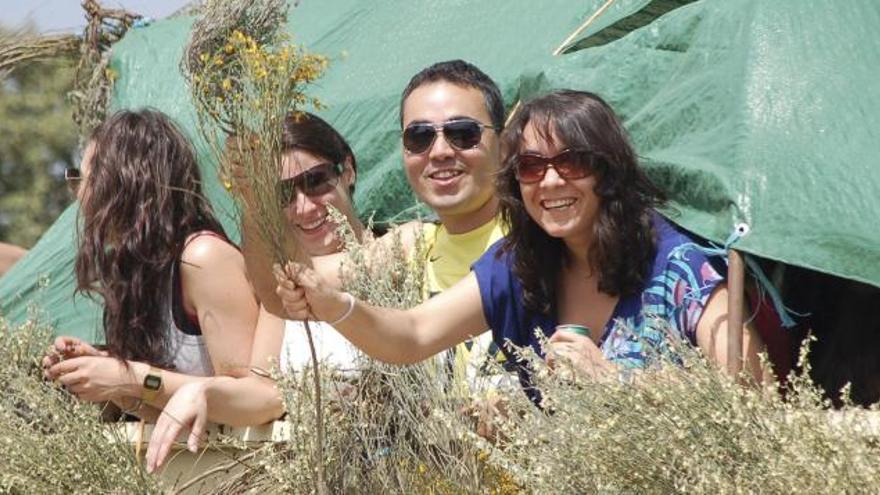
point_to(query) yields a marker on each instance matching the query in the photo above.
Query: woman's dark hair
(306, 131)
(142, 200)
(623, 238)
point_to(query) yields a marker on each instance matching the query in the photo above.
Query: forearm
(171, 382)
(245, 401)
(390, 335)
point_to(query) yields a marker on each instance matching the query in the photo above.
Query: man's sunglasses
(73, 178)
(316, 181)
(461, 134)
(569, 164)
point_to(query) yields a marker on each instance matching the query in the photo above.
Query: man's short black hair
(464, 74)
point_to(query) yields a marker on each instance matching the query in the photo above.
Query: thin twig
(215, 470)
(322, 487)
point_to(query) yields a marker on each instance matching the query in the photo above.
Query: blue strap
(142, 22)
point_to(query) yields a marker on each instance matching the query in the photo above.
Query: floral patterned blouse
(669, 306)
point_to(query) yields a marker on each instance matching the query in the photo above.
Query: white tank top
(330, 346)
(189, 355)
(188, 352)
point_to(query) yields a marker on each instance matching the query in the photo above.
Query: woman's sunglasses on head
(570, 164)
(461, 134)
(316, 181)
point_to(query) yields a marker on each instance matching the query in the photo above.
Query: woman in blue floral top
(585, 247)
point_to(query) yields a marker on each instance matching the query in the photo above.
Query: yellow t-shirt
(450, 256)
(449, 259)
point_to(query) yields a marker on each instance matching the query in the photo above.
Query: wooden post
(735, 296)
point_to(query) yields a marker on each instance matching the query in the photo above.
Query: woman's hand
(186, 410)
(489, 413)
(581, 351)
(305, 296)
(95, 378)
(66, 348)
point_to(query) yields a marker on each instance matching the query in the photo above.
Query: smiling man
(451, 114)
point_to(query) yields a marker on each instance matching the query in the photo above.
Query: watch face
(152, 382)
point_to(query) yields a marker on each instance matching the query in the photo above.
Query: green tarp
(762, 112)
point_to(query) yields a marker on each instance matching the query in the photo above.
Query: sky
(68, 15)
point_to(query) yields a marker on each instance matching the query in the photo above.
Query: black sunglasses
(570, 164)
(461, 134)
(316, 181)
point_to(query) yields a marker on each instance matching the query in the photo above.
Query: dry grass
(685, 429)
(678, 428)
(49, 442)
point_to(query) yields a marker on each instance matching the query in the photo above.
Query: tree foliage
(38, 140)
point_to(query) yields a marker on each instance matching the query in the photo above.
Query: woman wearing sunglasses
(177, 302)
(318, 172)
(586, 252)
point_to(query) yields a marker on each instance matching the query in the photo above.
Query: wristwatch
(152, 384)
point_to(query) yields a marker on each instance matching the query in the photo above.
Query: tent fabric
(374, 49)
(755, 112)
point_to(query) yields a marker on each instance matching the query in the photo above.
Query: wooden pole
(601, 10)
(564, 45)
(735, 296)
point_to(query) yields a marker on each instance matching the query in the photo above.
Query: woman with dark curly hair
(586, 252)
(177, 302)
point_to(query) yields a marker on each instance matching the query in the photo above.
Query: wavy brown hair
(624, 244)
(142, 199)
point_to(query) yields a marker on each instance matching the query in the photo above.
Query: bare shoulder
(213, 271)
(209, 251)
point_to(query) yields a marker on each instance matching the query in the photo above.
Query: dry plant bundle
(21, 47)
(682, 426)
(246, 78)
(49, 441)
(94, 79)
(394, 429)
